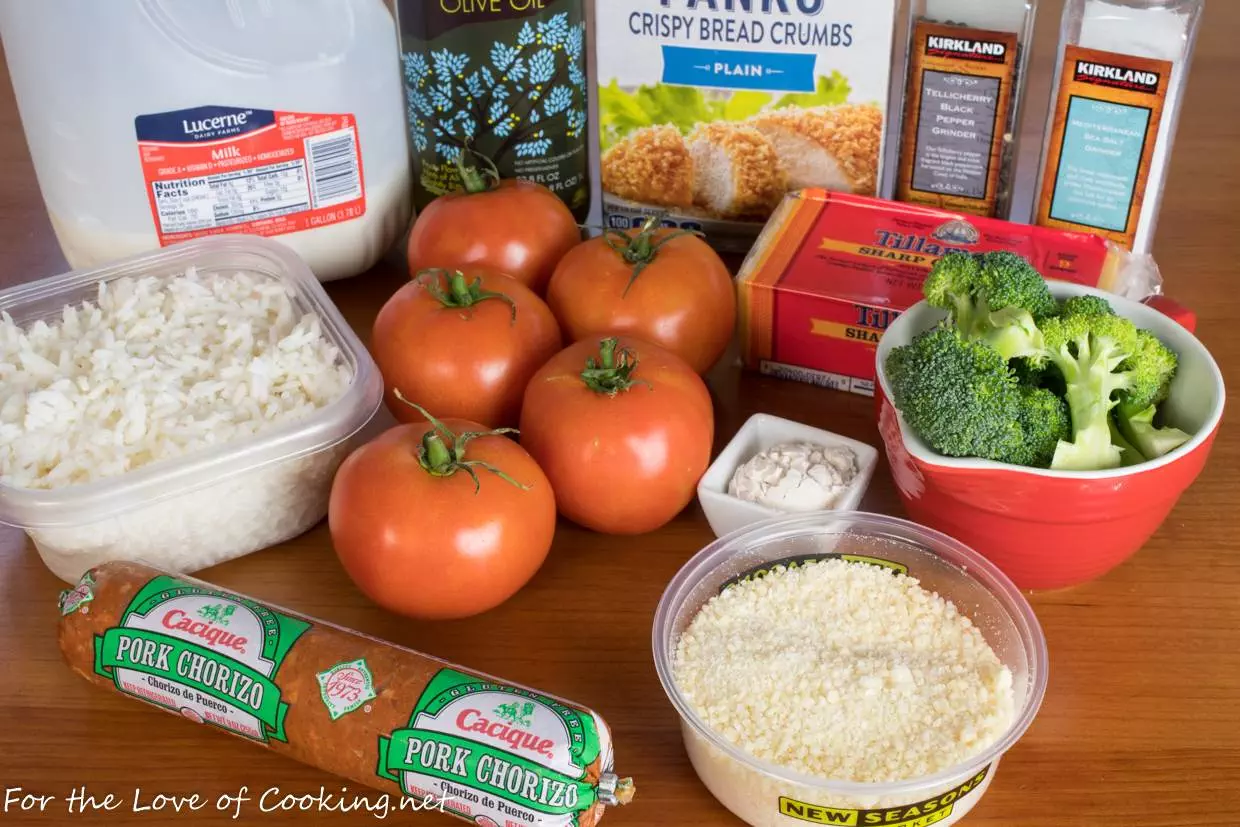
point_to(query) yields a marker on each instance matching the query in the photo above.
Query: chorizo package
(383, 716)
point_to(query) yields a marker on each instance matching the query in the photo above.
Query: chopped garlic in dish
(796, 476)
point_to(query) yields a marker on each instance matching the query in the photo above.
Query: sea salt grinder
(1119, 82)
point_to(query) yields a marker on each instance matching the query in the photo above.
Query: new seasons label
(209, 655)
(1117, 77)
(965, 48)
(509, 754)
(921, 814)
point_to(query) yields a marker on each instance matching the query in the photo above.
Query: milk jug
(156, 121)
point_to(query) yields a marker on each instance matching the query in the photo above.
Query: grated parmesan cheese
(844, 671)
(160, 368)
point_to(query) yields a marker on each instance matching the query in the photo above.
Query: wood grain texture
(1141, 724)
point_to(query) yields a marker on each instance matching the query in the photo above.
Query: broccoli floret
(993, 297)
(1045, 422)
(1034, 373)
(1089, 352)
(1152, 367)
(952, 285)
(1086, 306)
(1011, 281)
(959, 396)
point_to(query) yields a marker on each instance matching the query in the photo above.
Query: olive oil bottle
(503, 78)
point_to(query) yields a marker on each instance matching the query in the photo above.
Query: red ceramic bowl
(1053, 529)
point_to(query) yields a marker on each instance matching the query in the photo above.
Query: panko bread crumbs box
(831, 271)
(710, 111)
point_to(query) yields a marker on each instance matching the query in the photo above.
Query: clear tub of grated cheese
(847, 668)
(182, 407)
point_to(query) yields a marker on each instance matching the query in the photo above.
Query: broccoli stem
(1091, 449)
(1091, 385)
(1129, 455)
(965, 313)
(1151, 441)
(1013, 333)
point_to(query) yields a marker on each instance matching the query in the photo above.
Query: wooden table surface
(1141, 723)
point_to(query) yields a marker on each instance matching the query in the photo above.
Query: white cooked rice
(154, 369)
(161, 368)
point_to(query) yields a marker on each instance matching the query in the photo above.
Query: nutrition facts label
(231, 197)
(221, 169)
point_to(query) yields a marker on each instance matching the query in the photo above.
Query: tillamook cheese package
(710, 111)
(830, 272)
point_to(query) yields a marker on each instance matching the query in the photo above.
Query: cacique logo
(215, 636)
(197, 126)
(472, 720)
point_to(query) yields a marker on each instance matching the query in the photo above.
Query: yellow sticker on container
(922, 814)
(799, 560)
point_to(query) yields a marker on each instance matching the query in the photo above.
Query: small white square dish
(727, 513)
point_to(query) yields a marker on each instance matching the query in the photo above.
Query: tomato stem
(478, 172)
(640, 249)
(442, 453)
(612, 372)
(459, 292)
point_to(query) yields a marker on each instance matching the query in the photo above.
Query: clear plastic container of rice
(847, 668)
(183, 407)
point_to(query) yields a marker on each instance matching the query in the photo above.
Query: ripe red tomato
(424, 537)
(623, 429)
(463, 344)
(664, 286)
(516, 227)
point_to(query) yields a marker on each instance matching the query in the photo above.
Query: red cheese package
(831, 271)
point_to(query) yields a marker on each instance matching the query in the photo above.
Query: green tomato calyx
(442, 453)
(457, 292)
(642, 248)
(478, 172)
(612, 372)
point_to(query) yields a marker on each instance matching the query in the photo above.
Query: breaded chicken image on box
(836, 147)
(732, 170)
(652, 166)
(736, 171)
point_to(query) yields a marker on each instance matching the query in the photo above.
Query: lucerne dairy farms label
(224, 169)
(709, 112)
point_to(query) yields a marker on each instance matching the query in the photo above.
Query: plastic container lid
(162, 479)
